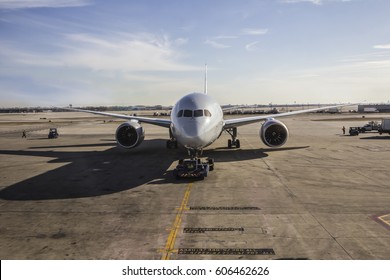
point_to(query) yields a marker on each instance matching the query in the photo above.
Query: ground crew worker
(343, 129)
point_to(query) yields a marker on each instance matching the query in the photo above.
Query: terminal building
(374, 108)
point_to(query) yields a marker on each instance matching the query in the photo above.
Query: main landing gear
(234, 142)
(172, 142)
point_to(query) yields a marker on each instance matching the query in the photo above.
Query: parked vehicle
(354, 131)
(53, 133)
(371, 126)
(385, 126)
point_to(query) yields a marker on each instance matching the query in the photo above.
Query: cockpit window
(188, 113)
(198, 113)
(195, 113)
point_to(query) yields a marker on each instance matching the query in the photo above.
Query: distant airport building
(374, 108)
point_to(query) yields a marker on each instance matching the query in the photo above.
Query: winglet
(205, 79)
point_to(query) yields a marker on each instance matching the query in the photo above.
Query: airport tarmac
(321, 196)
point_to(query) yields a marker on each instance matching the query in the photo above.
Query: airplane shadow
(227, 155)
(92, 173)
(75, 146)
(97, 173)
(378, 137)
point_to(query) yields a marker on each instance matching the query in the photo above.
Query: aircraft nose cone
(194, 135)
(192, 131)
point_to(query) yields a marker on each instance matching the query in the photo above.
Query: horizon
(99, 53)
(168, 107)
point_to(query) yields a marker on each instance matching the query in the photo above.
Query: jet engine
(273, 133)
(129, 135)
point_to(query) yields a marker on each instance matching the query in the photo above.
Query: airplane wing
(225, 109)
(155, 121)
(244, 121)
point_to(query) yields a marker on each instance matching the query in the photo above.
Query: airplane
(197, 120)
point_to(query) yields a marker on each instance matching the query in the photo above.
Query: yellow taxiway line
(383, 220)
(168, 250)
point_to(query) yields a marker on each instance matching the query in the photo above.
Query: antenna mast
(205, 79)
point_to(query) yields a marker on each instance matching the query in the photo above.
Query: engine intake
(129, 135)
(274, 133)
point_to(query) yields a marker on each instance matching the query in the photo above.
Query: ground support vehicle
(371, 126)
(53, 133)
(385, 126)
(194, 168)
(354, 131)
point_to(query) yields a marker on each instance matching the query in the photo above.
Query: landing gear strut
(234, 142)
(172, 142)
(194, 153)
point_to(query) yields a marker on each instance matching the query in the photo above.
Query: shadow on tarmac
(378, 137)
(96, 173)
(91, 173)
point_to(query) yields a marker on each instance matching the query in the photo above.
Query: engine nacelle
(129, 135)
(274, 133)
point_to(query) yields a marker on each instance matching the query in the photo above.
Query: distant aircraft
(196, 121)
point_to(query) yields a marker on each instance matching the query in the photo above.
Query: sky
(152, 52)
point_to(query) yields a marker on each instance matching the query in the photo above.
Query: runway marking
(383, 220)
(226, 251)
(204, 230)
(168, 250)
(223, 208)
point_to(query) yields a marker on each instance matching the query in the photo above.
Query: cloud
(368, 61)
(376, 64)
(251, 46)
(181, 41)
(73, 67)
(315, 2)
(28, 4)
(252, 31)
(85, 68)
(387, 47)
(13, 54)
(216, 44)
(121, 52)
(221, 37)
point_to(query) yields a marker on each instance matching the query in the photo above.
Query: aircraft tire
(211, 164)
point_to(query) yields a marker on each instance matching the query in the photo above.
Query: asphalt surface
(321, 196)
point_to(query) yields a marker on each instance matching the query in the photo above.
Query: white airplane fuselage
(196, 121)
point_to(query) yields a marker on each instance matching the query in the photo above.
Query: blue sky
(121, 52)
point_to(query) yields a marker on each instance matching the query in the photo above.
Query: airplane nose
(192, 130)
(194, 134)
